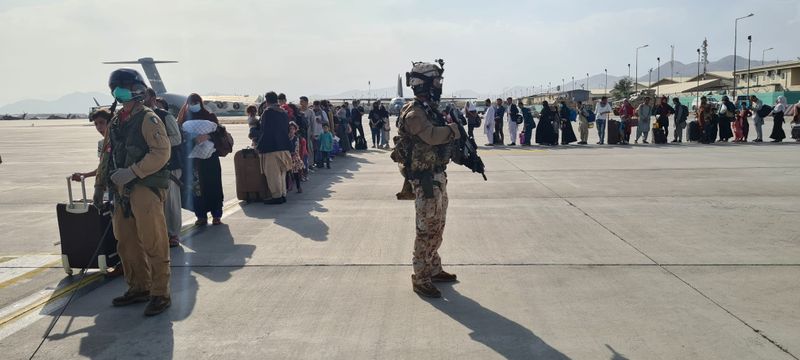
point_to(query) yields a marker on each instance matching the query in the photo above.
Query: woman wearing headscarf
(705, 116)
(567, 133)
(202, 177)
(545, 133)
(777, 120)
(727, 114)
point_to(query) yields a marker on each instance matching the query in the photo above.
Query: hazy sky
(54, 47)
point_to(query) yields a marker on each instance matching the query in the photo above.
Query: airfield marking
(25, 308)
(25, 267)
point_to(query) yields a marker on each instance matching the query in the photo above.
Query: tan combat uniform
(142, 238)
(430, 212)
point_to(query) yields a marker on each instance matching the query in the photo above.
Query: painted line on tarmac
(26, 309)
(23, 313)
(25, 267)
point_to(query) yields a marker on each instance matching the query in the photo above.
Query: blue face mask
(194, 108)
(122, 95)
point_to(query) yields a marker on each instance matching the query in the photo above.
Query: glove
(122, 177)
(97, 199)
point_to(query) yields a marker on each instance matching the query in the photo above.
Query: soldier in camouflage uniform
(423, 150)
(136, 173)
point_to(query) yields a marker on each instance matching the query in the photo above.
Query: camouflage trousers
(430, 218)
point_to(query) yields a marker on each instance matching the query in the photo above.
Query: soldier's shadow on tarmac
(116, 332)
(506, 337)
(212, 253)
(296, 214)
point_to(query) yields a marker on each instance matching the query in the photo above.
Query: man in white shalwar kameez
(488, 122)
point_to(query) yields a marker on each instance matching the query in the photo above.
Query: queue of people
(153, 164)
(723, 123)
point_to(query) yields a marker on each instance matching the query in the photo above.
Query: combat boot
(131, 297)
(444, 276)
(157, 305)
(426, 289)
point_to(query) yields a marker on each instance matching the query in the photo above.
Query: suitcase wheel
(102, 264)
(65, 264)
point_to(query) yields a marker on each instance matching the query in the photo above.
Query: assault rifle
(465, 153)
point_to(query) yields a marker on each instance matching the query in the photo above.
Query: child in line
(297, 162)
(253, 124)
(739, 124)
(325, 146)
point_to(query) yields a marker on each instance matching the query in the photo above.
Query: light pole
(764, 52)
(587, 82)
(658, 73)
(573, 84)
(649, 80)
(749, 48)
(605, 92)
(697, 90)
(629, 71)
(735, 38)
(672, 62)
(562, 85)
(636, 80)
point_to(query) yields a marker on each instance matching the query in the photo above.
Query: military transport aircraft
(219, 105)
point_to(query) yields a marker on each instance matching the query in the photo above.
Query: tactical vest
(415, 154)
(128, 147)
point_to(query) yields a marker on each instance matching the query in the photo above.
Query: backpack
(361, 143)
(685, 114)
(223, 141)
(764, 111)
(590, 116)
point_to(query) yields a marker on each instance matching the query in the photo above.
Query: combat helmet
(426, 79)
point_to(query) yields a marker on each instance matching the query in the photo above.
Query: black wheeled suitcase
(695, 133)
(361, 143)
(659, 136)
(82, 229)
(612, 126)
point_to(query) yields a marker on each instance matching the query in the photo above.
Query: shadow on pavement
(296, 213)
(615, 355)
(506, 337)
(116, 332)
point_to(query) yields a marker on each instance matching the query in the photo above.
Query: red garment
(627, 111)
(289, 111)
(303, 148)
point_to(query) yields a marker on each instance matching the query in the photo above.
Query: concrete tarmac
(575, 252)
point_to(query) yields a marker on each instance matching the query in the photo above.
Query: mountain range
(81, 102)
(75, 103)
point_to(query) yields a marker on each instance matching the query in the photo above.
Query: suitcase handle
(73, 207)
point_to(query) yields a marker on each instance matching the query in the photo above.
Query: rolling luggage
(695, 133)
(251, 185)
(82, 229)
(613, 132)
(659, 136)
(796, 131)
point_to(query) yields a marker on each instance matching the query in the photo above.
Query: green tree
(622, 89)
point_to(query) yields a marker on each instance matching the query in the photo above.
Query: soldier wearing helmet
(423, 152)
(135, 172)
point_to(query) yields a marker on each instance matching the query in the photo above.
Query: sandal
(216, 221)
(174, 241)
(201, 222)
